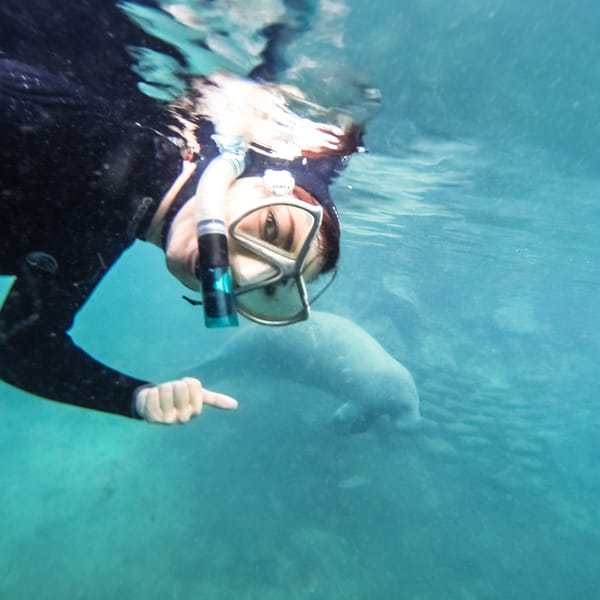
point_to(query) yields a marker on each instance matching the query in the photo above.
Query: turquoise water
(470, 253)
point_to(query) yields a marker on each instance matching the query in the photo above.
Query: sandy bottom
(268, 503)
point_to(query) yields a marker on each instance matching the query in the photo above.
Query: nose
(249, 270)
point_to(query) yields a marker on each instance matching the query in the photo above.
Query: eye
(271, 229)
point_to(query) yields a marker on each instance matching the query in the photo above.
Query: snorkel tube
(213, 269)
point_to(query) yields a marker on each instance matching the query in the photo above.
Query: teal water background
(470, 253)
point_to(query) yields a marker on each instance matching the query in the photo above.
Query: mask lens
(250, 270)
(281, 302)
(282, 228)
(274, 242)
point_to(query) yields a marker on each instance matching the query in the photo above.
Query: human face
(277, 225)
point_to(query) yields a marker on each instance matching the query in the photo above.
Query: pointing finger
(219, 400)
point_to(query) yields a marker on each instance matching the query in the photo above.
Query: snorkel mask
(273, 291)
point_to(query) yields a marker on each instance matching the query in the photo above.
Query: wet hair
(328, 238)
(315, 172)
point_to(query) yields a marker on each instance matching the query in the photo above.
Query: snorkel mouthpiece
(213, 268)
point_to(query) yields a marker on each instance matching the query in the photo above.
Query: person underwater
(243, 215)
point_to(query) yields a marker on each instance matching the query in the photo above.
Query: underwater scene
(469, 259)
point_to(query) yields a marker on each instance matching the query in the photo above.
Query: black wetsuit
(81, 175)
(77, 188)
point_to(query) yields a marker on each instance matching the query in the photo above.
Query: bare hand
(177, 401)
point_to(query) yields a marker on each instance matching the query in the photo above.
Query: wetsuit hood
(313, 175)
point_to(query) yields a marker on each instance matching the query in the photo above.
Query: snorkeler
(81, 180)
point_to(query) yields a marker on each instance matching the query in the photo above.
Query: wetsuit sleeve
(38, 356)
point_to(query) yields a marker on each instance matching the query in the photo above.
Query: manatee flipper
(351, 417)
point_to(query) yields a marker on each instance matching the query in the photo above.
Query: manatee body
(335, 355)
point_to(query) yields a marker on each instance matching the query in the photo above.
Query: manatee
(333, 354)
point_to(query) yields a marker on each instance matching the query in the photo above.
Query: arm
(39, 356)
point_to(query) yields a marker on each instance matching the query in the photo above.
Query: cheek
(173, 264)
(182, 247)
(179, 241)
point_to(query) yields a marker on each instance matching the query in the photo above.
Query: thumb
(219, 400)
